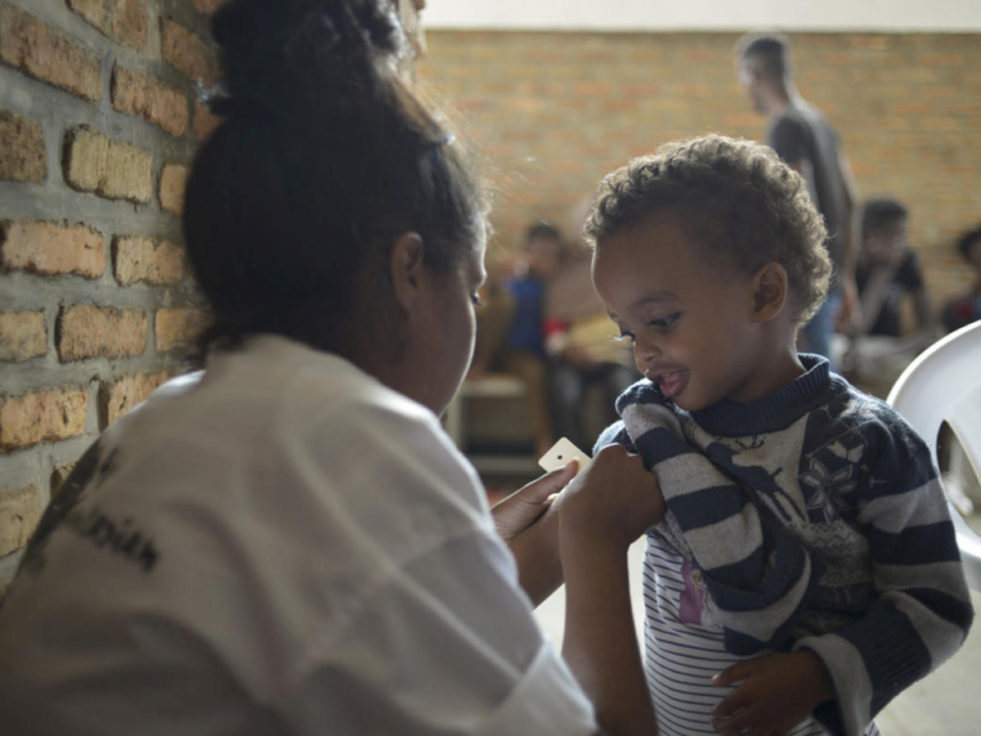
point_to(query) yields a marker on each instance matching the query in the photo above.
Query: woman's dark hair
(323, 158)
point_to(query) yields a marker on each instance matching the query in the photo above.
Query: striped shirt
(681, 657)
(812, 518)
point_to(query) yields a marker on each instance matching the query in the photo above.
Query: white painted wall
(723, 15)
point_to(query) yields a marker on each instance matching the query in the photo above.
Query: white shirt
(282, 546)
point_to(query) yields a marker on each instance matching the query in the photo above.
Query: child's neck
(775, 370)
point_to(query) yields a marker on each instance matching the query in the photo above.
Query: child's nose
(645, 351)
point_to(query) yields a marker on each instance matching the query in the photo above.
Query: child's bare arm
(600, 514)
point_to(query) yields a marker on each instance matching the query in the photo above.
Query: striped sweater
(813, 518)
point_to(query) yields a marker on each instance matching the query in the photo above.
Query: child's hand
(776, 692)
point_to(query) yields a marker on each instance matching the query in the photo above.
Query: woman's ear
(769, 291)
(406, 270)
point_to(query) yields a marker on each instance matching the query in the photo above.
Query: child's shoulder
(883, 430)
(615, 434)
(849, 404)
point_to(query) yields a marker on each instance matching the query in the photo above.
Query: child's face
(888, 243)
(543, 256)
(691, 323)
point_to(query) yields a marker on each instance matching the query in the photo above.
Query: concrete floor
(946, 703)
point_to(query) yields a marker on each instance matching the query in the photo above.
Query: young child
(511, 331)
(887, 276)
(806, 570)
(888, 270)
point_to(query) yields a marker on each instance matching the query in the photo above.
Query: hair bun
(277, 52)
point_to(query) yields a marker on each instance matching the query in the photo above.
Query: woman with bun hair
(287, 542)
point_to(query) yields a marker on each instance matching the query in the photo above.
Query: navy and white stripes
(682, 657)
(810, 518)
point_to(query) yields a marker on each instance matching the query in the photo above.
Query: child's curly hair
(736, 198)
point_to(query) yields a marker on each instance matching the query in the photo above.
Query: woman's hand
(524, 521)
(517, 512)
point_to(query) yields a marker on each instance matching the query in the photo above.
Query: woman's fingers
(514, 514)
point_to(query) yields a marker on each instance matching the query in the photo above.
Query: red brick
(944, 126)
(86, 331)
(173, 179)
(178, 327)
(137, 94)
(205, 121)
(48, 249)
(20, 511)
(23, 335)
(95, 12)
(126, 21)
(42, 416)
(41, 51)
(187, 52)
(141, 259)
(119, 396)
(21, 149)
(131, 23)
(94, 163)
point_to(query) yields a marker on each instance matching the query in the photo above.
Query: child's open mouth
(671, 384)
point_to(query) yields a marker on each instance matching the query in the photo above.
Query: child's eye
(664, 323)
(475, 300)
(626, 335)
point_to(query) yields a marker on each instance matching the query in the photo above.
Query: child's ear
(769, 291)
(406, 269)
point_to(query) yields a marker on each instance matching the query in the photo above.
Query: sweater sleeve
(757, 574)
(922, 610)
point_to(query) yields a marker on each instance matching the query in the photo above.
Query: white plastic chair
(943, 383)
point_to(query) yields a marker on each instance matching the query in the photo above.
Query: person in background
(586, 359)
(966, 308)
(888, 270)
(287, 542)
(807, 142)
(511, 328)
(806, 570)
(887, 274)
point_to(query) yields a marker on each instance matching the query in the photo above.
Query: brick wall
(98, 122)
(553, 112)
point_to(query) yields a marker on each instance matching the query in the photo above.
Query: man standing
(805, 140)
